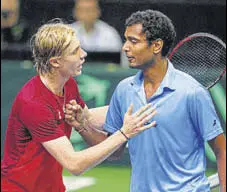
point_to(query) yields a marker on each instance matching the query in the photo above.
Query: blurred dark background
(188, 16)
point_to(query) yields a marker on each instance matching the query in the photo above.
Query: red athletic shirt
(36, 116)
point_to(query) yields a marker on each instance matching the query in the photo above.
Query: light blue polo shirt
(171, 156)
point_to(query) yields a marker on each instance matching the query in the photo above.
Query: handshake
(82, 118)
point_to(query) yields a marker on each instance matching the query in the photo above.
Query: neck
(54, 83)
(89, 27)
(156, 72)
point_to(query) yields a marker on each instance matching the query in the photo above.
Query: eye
(133, 41)
(75, 51)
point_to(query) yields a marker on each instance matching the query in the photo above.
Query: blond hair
(51, 40)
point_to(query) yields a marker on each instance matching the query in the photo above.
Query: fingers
(130, 109)
(146, 119)
(145, 114)
(71, 109)
(73, 102)
(152, 124)
(142, 109)
(69, 118)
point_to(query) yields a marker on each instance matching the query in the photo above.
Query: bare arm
(91, 125)
(96, 121)
(78, 162)
(97, 116)
(87, 122)
(92, 132)
(218, 145)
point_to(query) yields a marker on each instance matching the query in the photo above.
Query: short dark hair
(155, 25)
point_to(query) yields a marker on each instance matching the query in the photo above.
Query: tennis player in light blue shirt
(171, 156)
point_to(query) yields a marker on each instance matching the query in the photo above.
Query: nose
(125, 47)
(83, 53)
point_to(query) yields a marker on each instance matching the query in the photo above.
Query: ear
(54, 62)
(158, 45)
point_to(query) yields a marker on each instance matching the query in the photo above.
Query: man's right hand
(75, 115)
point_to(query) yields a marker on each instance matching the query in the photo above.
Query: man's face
(136, 47)
(71, 64)
(87, 11)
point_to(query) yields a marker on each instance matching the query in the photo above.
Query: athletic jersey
(171, 156)
(36, 116)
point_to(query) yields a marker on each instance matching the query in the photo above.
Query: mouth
(131, 59)
(82, 60)
(80, 67)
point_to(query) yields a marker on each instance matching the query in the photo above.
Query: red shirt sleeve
(41, 121)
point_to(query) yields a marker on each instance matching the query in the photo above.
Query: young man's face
(136, 47)
(71, 64)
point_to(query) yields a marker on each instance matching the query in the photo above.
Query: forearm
(221, 164)
(91, 135)
(79, 161)
(93, 125)
(97, 116)
(218, 145)
(92, 156)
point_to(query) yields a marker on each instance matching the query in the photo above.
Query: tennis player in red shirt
(37, 144)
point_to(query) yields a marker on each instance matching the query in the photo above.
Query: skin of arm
(97, 116)
(93, 122)
(93, 133)
(218, 144)
(78, 162)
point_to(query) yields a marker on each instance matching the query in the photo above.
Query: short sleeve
(204, 116)
(41, 121)
(114, 119)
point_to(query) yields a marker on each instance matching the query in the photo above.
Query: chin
(133, 65)
(77, 73)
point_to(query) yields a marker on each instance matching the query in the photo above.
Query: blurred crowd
(94, 34)
(99, 24)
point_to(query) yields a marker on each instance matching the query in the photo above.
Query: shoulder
(76, 25)
(189, 86)
(186, 81)
(31, 89)
(125, 84)
(34, 95)
(106, 27)
(127, 81)
(71, 83)
(72, 86)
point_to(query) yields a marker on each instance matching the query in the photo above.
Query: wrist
(80, 130)
(123, 134)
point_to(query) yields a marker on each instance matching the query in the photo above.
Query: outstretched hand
(136, 123)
